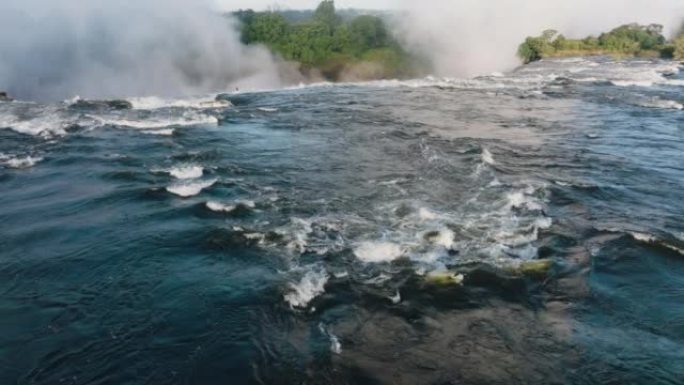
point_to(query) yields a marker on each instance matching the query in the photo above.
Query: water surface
(375, 233)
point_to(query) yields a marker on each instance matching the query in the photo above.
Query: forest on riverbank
(629, 40)
(330, 44)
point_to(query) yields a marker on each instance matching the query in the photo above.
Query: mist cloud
(56, 49)
(472, 37)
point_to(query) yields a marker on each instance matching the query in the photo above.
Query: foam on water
(335, 345)
(161, 132)
(188, 118)
(444, 237)
(45, 124)
(311, 285)
(220, 207)
(665, 104)
(643, 237)
(377, 252)
(652, 239)
(187, 172)
(487, 157)
(200, 102)
(21, 162)
(189, 189)
(225, 208)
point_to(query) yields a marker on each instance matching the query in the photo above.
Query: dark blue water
(525, 228)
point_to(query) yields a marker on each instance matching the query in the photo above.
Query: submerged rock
(538, 269)
(444, 278)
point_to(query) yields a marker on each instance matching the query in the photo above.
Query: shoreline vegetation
(331, 45)
(351, 45)
(626, 41)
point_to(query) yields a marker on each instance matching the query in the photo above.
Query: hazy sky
(304, 4)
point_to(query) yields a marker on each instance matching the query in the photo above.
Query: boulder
(4, 97)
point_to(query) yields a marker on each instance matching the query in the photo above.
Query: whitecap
(426, 214)
(23, 162)
(219, 207)
(45, 126)
(519, 200)
(187, 172)
(161, 132)
(396, 298)
(335, 345)
(443, 237)
(652, 239)
(375, 252)
(487, 157)
(664, 104)
(341, 274)
(309, 287)
(186, 190)
(643, 237)
(153, 103)
(187, 119)
(267, 109)
(632, 83)
(246, 203)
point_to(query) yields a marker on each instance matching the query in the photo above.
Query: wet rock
(506, 283)
(431, 236)
(236, 99)
(101, 105)
(536, 269)
(444, 278)
(4, 97)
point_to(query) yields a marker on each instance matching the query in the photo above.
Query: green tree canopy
(326, 42)
(325, 14)
(628, 39)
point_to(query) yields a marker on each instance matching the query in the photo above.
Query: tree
(368, 32)
(325, 14)
(322, 40)
(633, 38)
(535, 48)
(679, 48)
(265, 27)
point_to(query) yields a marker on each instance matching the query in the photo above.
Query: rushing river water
(520, 228)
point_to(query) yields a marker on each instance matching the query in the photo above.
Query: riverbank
(626, 41)
(329, 45)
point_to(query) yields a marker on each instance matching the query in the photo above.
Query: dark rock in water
(101, 104)
(495, 279)
(4, 97)
(562, 81)
(236, 99)
(74, 128)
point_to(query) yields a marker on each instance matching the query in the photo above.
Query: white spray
(116, 48)
(473, 37)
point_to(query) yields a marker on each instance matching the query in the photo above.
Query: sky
(229, 5)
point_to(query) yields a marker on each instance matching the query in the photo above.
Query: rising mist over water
(103, 49)
(115, 48)
(473, 37)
